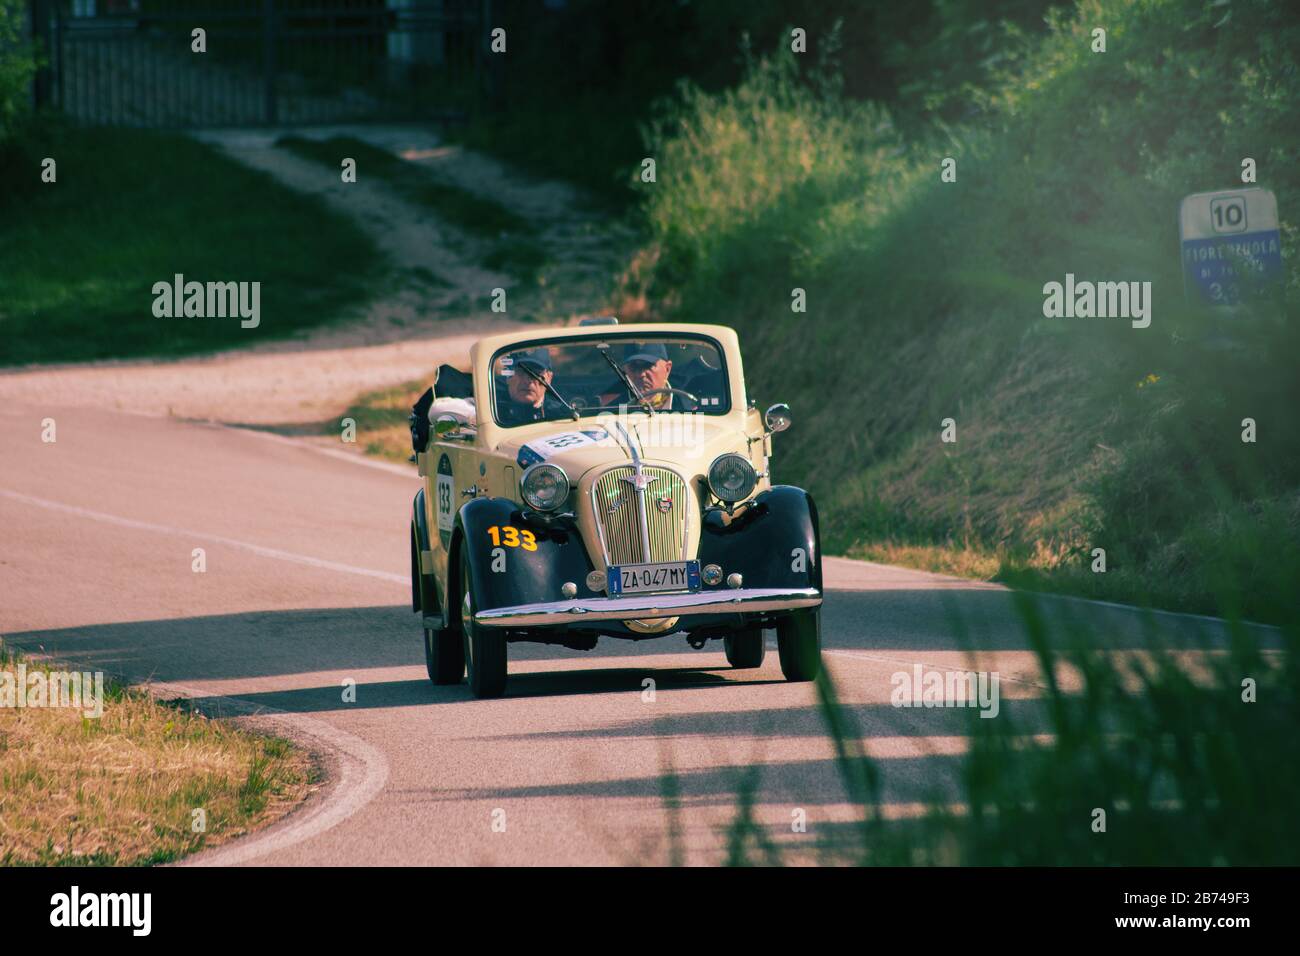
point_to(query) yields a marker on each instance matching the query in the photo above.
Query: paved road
(306, 588)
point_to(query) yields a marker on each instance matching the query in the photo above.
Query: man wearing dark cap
(647, 365)
(524, 398)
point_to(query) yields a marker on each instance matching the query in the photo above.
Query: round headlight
(544, 487)
(732, 478)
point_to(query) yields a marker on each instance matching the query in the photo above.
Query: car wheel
(444, 655)
(799, 642)
(485, 647)
(745, 649)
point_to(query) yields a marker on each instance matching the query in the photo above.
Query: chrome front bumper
(647, 606)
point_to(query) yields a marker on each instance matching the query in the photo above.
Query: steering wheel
(695, 402)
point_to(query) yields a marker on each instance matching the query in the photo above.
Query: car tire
(484, 647)
(799, 643)
(444, 655)
(745, 649)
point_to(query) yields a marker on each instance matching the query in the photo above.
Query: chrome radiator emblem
(638, 479)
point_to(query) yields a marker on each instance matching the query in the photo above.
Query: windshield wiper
(551, 388)
(603, 347)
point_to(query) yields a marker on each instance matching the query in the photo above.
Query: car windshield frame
(625, 334)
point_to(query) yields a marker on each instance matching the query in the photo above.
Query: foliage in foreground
(1190, 755)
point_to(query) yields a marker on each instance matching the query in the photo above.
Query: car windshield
(556, 380)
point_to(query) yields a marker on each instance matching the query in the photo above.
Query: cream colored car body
(486, 466)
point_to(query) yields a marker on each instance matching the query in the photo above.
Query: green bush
(17, 64)
(568, 102)
(925, 298)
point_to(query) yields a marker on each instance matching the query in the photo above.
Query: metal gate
(137, 63)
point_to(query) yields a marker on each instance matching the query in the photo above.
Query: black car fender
(774, 542)
(515, 559)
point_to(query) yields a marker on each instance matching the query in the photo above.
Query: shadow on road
(419, 692)
(334, 641)
(806, 783)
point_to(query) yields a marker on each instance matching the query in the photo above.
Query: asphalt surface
(306, 588)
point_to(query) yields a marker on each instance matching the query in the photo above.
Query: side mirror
(777, 418)
(447, 427)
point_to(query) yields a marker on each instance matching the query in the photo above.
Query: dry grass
(121, 789)
(958, 560)
(381, 417)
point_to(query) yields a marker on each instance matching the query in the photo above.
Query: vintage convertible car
(606, 480)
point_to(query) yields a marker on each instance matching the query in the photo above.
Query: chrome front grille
(618, 515)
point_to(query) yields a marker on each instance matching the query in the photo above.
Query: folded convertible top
(453, 383)
(448, 383)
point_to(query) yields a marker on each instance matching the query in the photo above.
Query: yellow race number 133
(512, 537)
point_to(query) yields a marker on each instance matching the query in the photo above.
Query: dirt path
(401, 335)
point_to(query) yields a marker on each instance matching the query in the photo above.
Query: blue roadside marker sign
(1232, 248)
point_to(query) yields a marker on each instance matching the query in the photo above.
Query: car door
(450, 464)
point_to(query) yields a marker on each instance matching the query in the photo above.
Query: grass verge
(130, 208)
(382, 428)
(122, 789)
(381, 417)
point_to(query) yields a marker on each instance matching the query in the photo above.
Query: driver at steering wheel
(648, 367)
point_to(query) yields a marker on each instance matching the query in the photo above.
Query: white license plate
(645, 578)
